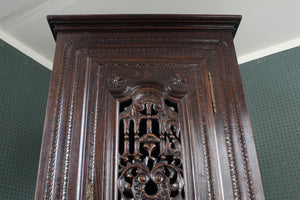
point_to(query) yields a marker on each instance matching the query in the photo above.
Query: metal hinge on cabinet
(90, 192)
(213, 100)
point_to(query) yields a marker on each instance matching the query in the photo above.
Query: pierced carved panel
(150, 159)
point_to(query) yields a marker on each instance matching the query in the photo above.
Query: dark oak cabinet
(147, 107)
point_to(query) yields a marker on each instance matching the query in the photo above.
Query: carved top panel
(156, 74)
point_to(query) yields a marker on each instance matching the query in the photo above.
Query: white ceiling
(265, 23)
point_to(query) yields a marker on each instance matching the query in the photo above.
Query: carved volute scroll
(150, 158)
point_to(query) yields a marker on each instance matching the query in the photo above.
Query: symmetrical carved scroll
(150, 159)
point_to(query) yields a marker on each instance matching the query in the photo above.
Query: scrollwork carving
(150, 160)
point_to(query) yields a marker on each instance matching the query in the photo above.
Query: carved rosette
(178, 85)
(150, 159)
(117, 84)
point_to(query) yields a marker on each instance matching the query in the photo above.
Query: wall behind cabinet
(24, 87)
(272, 89)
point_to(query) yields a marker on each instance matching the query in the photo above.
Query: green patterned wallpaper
(272, 89)
(24, 87)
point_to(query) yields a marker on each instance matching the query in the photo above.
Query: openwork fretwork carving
(150, 159)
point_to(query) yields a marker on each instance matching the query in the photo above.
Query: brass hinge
(213, 100)
(90, 192)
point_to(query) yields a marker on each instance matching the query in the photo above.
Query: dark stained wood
(97, 23)
(130, 112)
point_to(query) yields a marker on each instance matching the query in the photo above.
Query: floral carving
(117, 85)
(116, 81)
(179, 81)
(178, 85)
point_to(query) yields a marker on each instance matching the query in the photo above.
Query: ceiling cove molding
(269, 50)
(25, 49)
(29, 14)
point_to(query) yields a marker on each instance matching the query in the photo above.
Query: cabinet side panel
(46, 172)
(233, 126)
(248, 151)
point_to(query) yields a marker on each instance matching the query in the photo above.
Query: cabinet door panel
(143, 123)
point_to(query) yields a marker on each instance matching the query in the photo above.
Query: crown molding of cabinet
(25, 49)
(143, 22)
(269, 50)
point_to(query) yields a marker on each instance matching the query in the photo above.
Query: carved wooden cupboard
(147, 107)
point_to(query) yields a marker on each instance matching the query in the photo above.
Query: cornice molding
(93, 23)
